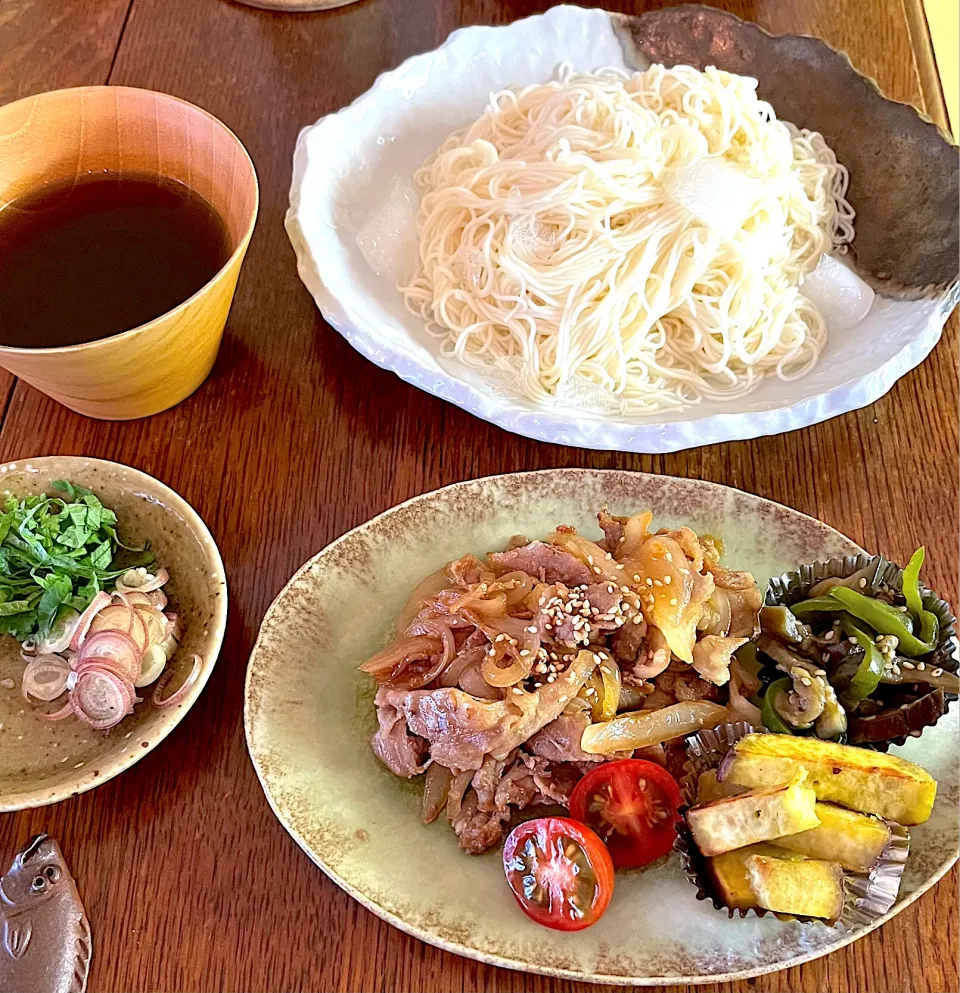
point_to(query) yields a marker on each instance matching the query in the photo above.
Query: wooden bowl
(55, 137)
(42, 762)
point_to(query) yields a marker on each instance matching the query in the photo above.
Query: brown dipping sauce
(88, 259)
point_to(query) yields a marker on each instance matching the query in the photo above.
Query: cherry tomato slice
(632, 805)
(559, 871)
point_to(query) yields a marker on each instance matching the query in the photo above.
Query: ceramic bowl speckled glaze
(347, 167)
(309, 716)
(43, 762)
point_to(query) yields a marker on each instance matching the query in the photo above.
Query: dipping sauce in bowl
(87, 259)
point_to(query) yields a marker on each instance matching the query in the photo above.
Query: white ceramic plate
(346, 164)
(309, 716)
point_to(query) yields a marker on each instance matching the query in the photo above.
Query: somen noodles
(642, 235)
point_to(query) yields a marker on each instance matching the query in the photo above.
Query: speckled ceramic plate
(43, 762)
(309, 715)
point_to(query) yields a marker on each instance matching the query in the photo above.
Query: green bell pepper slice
(772, 721)
(884, 619)
(910, 585)
(818, 605)
(867, 677)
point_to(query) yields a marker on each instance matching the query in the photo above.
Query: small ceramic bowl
(42, 762)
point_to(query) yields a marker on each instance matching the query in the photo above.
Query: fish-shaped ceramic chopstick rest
(45, 943)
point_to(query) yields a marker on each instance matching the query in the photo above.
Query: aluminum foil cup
(867, 896)
(792, 587)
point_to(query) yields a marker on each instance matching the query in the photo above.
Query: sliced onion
(97, 604)
(509, 675)
(141, 580)
(97, 665)
(173, 625)
(115, 647)
(437, 627)
(400, 652)
(45, 678)
(124, 618)
(101, 698)
(153, 663)
(60, 636)
(470, 656)
(159, 701)
(58, 715)
(154, 622)
(134, 597)
(158, 598)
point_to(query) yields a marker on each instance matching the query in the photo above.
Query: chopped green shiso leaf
(56, 553)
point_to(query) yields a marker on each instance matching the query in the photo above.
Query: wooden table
(189, 880)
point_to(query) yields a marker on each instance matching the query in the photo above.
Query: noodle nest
(553, 254)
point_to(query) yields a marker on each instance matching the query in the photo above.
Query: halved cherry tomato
(559, 871)
(632, 804)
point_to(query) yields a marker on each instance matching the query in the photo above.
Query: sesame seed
(673, 601)
(657, 582)
(669, 556)
(636, 578)
(596, 569)
(863, 584)
(907, 665)
(828, 636)
(517, 690)
(853, 641)
(551, 677)
(500, 637)
(589, 560)
(921, 666)
(619, 566)
(532, 629)
(638, 619)
(667, 580)
(805, 681)
(609, 556)
(491, 651)
(623, 538)
(685, 572)
(649, 581)
(937, 672)
(524, 652)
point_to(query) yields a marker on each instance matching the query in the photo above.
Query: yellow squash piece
(858, 778)
(710, 788)
(810, 888)
(728, 872)
(760, 815)
(854, 840)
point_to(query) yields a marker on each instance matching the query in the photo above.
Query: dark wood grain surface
(189, 881)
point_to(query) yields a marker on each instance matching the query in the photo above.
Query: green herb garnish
(56, 553)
